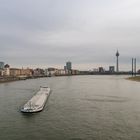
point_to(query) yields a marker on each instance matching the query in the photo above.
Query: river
(79, 108)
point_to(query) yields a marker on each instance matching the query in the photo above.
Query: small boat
(37, 102)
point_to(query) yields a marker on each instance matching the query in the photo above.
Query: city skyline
(49, 32)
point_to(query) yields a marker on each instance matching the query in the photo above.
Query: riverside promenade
(11, 79)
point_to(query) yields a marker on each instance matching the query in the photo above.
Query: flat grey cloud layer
(87, 32)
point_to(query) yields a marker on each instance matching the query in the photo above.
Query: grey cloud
(50, 32)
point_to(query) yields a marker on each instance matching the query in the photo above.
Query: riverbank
(8, 79)
(136, 78)
(12, 79)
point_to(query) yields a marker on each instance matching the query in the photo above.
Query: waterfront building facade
(60, 72)
(14, 72)
(6, 70)
(1, 72)
(111, 69)
(75, 72)
(68, 65)
(101, 70)
(38, 72)
(26, 72)
(52, 71)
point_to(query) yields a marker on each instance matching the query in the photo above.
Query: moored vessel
(37, 102)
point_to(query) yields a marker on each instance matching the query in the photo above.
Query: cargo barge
(37, 102)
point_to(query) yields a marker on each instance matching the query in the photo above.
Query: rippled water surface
(79, 108)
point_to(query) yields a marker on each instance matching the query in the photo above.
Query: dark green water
(79, 108)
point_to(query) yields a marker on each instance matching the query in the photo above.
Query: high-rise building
(101, 70)
(68, 65)
(1, 65)
(65, 68)
(117, 61)
(111, 69)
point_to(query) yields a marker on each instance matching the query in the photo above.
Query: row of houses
(27, 72)
(60, 72)
(15, 72)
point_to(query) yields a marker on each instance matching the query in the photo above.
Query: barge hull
(37, 102)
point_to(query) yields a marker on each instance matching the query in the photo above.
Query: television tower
(117, 61)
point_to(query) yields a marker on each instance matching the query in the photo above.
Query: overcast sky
(46, 33)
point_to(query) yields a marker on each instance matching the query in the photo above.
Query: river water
(79, 108)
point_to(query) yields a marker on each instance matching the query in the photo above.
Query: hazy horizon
(47, 33)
